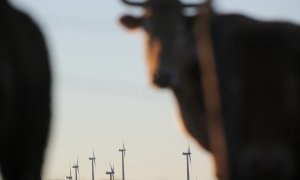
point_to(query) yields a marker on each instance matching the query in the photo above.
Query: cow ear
(131, 22)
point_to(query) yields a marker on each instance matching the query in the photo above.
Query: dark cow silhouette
(24, 95)
(257, 65)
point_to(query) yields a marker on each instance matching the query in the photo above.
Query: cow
(25, 97)
(257, 65)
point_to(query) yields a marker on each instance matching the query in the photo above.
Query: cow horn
(190, 5)
(196, 5)
(141, 4)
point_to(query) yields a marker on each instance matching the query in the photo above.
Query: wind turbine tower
(70, 176)
(123, 156)
(188, 157)
(111, 173)
(93, 162)
(76, 167)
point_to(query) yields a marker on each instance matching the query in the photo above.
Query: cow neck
(211, 90)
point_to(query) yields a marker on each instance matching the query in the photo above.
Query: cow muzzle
(165, 79)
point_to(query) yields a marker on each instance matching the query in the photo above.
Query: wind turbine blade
(190, 159)
(111, 168)
(94, 162)
(123, 145)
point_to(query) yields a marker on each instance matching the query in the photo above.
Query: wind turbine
(123, 155)
(188, 157)
(93, 162)
(111, 172)
(76, 167)
(70, 176)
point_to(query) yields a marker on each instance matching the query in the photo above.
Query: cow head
(168, 47)
(171, 57)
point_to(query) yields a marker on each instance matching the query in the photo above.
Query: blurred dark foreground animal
(257, 65)
(24, 95)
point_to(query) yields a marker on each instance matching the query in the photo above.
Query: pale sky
(102, 97)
